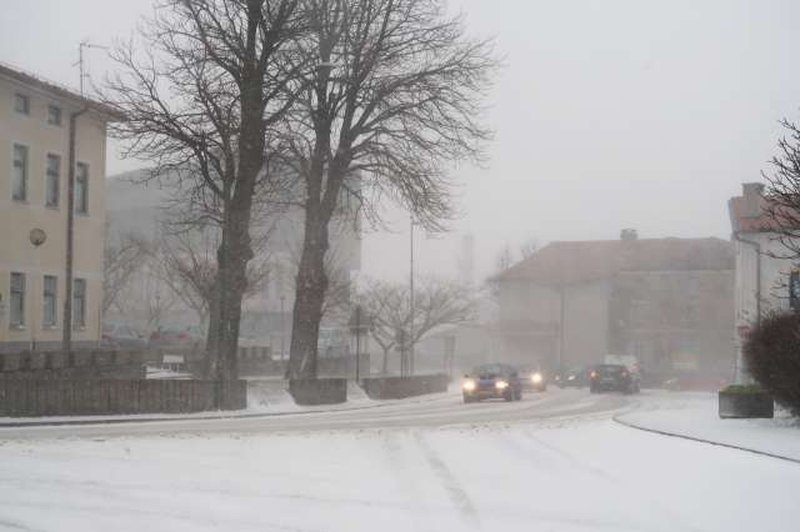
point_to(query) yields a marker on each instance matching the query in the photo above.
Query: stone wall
(112, 396)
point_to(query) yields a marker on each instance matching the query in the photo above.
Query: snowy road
(436, 411)
(555, 462)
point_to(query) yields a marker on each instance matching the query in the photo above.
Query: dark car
(176, 337)
(492, 381)
(613, 377)
(120, 336)
(575, 377)
(533, 379)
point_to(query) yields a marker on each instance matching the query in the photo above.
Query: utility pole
(358, 344)
(561, 325)
(283, 327)
(411, 301)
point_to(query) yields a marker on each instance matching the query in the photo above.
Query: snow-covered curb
(693, 416)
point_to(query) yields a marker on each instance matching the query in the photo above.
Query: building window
(53, 180)
(79, 303)
(22, 104)
(17, 317)
(50, 295)
(19, 175)
(54, 115)
(82, 188)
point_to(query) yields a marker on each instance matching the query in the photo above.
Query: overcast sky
(608, 114)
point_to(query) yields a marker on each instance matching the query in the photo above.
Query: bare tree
(122, 258)
(528, 247)
(157, 303)
(386, 305)
(185, 261)
(188, 268)
(436, 303)
(394, 93)
(201, 96)
(782, 203)
(504, 259)
(337, 302)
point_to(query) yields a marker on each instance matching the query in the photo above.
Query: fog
(170, 365)
(607, 115)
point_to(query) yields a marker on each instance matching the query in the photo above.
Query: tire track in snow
(406, 483)
(452, 486)
(671, 516)
(9, 525)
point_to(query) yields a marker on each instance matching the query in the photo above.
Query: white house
(762, 273)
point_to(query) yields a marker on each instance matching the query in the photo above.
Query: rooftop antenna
(80, 64)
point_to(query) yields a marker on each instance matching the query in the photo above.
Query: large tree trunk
(235, 251)
(310, 288)
(223, 338)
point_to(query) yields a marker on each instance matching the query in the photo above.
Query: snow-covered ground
(695, 415)
(566, 473)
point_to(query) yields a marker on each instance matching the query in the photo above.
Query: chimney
(628, 234)
(752, 193)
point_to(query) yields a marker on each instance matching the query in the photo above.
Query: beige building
(34, 141)
(667, 301)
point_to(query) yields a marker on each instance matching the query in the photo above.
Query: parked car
(532, 378)
(613, 377)
(575, 377)
(176, 337)
(492, 381)
(121, 336)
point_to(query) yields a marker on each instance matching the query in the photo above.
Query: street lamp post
(283, 328)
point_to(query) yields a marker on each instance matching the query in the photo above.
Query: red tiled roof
(572, 262)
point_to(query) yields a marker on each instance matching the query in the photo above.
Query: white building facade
(762, 269)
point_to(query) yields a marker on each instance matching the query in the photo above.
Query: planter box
(745, 405)
(318, 391)
(401, 387)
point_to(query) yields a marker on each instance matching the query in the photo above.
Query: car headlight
(571, 378)
(501, 385)
(536, 378)
(469, 385)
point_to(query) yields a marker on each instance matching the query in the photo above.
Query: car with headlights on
(532, 379)
(613, 378)
(492, 381)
